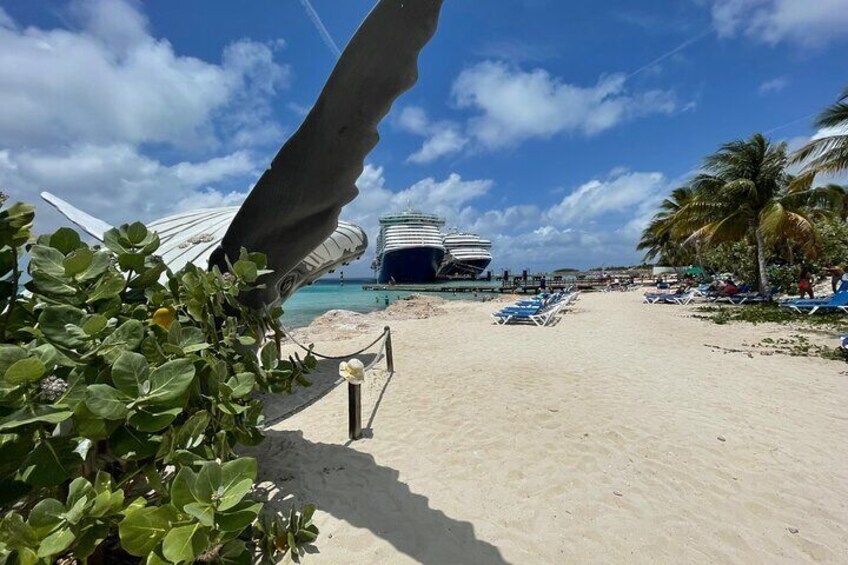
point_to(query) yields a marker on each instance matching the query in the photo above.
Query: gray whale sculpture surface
(190, 237)
(296, 203)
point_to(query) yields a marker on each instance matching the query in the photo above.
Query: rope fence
(354, 393)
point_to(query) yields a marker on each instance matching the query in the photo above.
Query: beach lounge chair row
(540, 311)
(678, 298)
(835, 303)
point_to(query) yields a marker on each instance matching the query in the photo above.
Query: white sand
(594, 441)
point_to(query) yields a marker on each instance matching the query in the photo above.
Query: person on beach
(837, 275)
(729, 288)
(805, 284)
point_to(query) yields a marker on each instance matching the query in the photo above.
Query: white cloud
(110, 81)
(774, 85)
(597, 223)
(82, 104)
(621, 192)
(447, 197)
(118, 184)
(810, 23)
(6, 20)
(443, 137)
(514, 105)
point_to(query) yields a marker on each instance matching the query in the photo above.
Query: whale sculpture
(295, 205)
(293, 210)
(190, 237)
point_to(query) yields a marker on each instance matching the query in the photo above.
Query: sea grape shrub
(123, 400)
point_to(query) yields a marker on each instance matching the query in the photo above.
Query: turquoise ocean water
(329, 294)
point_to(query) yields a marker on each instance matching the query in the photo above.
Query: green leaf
(45, 516)
(65, 240)
(54, 322)
(208, 483)
(241, 385)
(186, 543)
(132, 445)
(47, 260)
(238, 517)
(115, 242)
(234, 552)
(147, 421)
(204, 513)
(191, 433)
(27, 370)
(78, 261)
(110, 286)
(246, 270)
(126, 337)
(79, 489)
(181, 494)
(136, 233)
(269, 355)
(131, 261)
(9, 354)
(31, 414)
(16, 532)
(90, 426)
(56, 543)
(307, 512)
(170, 380)
(106, 402)
(99, 264)
(234, 472)
(143, 528)
(95, 324)
(51, 463)
(51, 286)
(129, 372)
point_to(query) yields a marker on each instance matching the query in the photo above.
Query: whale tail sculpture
(295, 205)
(190, 237)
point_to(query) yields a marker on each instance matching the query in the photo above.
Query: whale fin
(92, 226)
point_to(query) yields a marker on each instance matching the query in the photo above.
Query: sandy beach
(625, 433)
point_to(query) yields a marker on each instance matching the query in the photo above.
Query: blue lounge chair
(838, 303)
(679, 298)
(541, 315)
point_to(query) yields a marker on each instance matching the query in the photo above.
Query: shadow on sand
(352, 486)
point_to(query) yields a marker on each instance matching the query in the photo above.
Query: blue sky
(552, 127)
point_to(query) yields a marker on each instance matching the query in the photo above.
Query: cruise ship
(409, 248)
(467, 255)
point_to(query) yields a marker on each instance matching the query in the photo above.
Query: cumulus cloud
(447, 198)
(595, 223)
(810, 24)
(621, 192)
(117, 183)
(110, 81)
(513, 105)
(443, 137)
(83, 105)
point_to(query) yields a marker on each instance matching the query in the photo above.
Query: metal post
(390, 358)
(354, 407)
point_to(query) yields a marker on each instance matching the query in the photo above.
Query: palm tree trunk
(761, 261)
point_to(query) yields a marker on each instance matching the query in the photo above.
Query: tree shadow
(352, 486)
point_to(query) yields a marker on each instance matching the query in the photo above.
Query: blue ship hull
(410, 265)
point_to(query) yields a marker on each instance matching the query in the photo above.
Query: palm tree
(828, 152)
(659, 239)
(744, 194)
